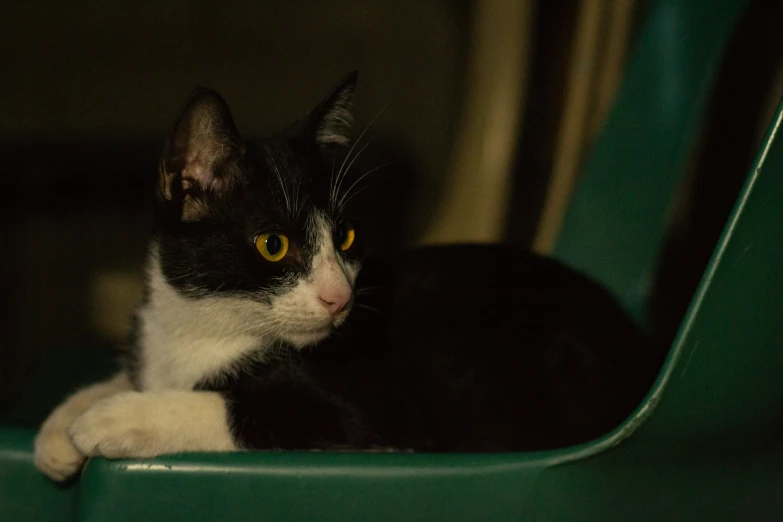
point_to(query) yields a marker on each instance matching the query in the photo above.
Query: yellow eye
(273, 247)
(346, 235)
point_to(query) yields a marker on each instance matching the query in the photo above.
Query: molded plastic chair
(704, 445)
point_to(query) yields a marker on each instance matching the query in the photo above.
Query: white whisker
(331, 182)
(182, 276)
(371, 308)
(258, 337)
(342, 201)
(340, 172)
(348, 168)
(370, 289)
(280, 180)
(356, 193)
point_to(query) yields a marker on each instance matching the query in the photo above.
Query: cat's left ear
(331, 121)
(200, 158)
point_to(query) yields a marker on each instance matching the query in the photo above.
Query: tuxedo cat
(265, 326)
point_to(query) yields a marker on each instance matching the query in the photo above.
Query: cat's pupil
(341, 233)
(273, 244)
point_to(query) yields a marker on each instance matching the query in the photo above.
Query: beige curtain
(475, 196)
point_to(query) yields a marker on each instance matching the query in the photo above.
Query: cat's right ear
(200, 156)
(331, 121)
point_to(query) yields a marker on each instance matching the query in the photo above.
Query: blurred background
(489, 108)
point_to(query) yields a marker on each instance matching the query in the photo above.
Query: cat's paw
(117, 427)
(55, 454)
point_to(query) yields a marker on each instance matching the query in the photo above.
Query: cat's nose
(335, 301)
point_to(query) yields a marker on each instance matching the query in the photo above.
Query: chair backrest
(721, 379)
(615, 224)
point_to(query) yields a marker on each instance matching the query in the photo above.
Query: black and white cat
(264, 326)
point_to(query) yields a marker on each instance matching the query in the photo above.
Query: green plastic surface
(25, 494)
(705, 445)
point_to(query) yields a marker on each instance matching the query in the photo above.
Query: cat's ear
(331, 121)
(200, 155)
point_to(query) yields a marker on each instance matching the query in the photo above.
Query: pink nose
(335, 302)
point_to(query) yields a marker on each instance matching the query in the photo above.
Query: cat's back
(498, 339)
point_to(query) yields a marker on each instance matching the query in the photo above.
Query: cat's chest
(180, 360)
(182, 341)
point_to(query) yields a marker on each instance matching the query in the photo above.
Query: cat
(265, 325)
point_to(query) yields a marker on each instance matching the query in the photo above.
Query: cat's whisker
(356, 193)
(335, 188)
(371, 308)
(223, 340)
(258, 337)
(340, 173)
(247, 345)
(229, 306)
(348, 168)
(182, 276)
(297, 208)
(331, 182)
(370, 289)
(340, 203)
(227, 300)
(280, 180)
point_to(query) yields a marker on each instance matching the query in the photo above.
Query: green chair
(704, 445)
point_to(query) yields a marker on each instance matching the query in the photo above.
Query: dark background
(88, 93)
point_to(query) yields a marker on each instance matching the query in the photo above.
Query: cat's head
(261, 220)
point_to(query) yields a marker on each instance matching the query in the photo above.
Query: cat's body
(265, 326)
(450, 358)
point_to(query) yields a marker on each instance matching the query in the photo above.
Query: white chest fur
(184, 340)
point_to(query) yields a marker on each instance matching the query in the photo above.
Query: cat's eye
(346, 235)
(272, 247)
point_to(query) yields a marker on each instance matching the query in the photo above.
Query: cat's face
(257, 225)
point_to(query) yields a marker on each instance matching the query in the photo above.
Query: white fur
(55, 454)
(140, 425)
(184, 340)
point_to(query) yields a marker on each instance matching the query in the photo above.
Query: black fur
(469, 348)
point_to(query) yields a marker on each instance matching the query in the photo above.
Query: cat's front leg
(55, 454)
(146, 424)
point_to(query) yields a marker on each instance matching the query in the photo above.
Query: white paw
(55, 454)
(117, 427)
